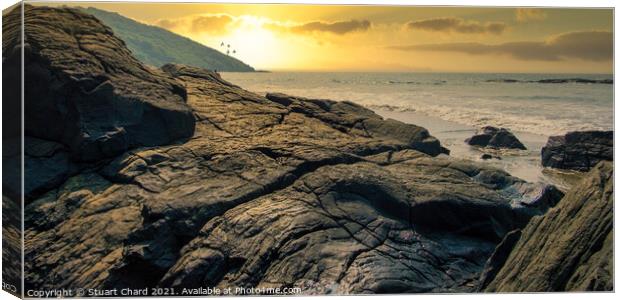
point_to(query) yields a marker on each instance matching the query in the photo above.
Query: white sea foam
(480, 117)
(468, 99)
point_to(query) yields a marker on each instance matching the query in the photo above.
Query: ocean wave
(482, 117)
(535, 109)
(477, 116)
(389, 82)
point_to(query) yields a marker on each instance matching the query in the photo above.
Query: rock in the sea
(487, 156)
(570, 248)
(86, 91)
(490, 136)
(578, 150)
(273, 191)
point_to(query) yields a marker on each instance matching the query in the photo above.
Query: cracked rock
(175, 177)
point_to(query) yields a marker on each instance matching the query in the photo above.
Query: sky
(392, 38)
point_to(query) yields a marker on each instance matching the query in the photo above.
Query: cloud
(167, 23)
(526, 14)
(209, 23)
(339, 27)
(451, 24)
(585, 45)
(223, 23)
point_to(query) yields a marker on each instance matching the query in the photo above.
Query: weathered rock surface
(570, 248)
(268, 191)
(417, 225)
(490, 136)
(579, 150)
(101, 99)
(346, 117)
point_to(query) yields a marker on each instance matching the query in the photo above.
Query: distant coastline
(555, 80)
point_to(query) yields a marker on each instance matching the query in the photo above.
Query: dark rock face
(490, 136)
(101, 99)
(273, 191)
(570, 248)
(11, 245)
(498, 258)
(347, 117)
(359, 228)
(579, 150)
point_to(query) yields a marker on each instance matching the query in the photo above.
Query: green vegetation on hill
(157, 46)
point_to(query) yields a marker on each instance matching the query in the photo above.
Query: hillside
(157, 46)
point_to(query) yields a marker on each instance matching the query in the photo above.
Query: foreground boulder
(494, 137)
(570, 248)
(86, 91)
(579, 150)
(415, 224)
(273, 191)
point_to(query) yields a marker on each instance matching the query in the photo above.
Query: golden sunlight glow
(391, 38)
(255, 43)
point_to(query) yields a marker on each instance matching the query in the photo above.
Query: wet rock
(494, 137)
(570, 248)
(578, 150)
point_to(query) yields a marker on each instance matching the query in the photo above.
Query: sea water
(453, 105)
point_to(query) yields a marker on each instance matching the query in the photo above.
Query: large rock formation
(411, 224)
(84, 89)
(494, 137)
(570, 248)
(273, 191)
(579, 150)
(346, 117)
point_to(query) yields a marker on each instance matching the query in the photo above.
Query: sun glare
(250, 42)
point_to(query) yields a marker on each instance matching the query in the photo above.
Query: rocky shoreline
(174, 177)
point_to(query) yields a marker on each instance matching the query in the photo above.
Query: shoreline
(541, 109)
(524, 164)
